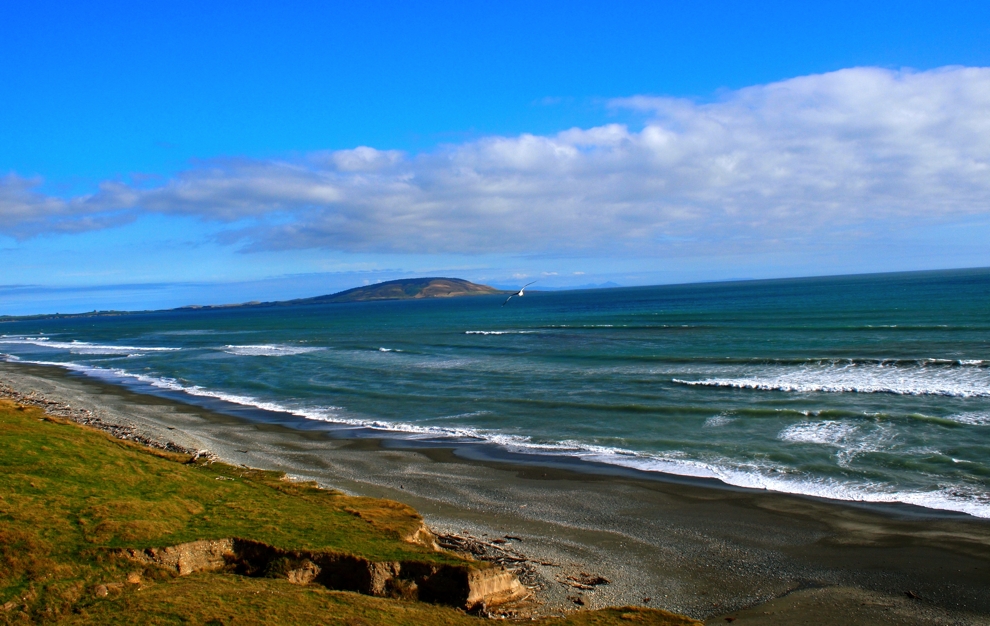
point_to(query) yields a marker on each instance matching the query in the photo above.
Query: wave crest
(931, 377)
(82, 347)
(269, 350)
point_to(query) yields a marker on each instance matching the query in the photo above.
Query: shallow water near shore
(868, 388)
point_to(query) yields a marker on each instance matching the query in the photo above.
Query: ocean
(870, 388)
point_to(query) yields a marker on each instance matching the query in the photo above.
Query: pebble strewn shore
(552, 593)
(470, 546)
(88, 418)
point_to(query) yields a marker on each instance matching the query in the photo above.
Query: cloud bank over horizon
(809, 161)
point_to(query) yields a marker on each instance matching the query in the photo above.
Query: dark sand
(689, 546)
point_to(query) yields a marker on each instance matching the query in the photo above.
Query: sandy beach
(685, 545)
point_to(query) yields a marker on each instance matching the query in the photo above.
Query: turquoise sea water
(872, 388)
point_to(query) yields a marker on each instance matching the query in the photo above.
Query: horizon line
(260, 303)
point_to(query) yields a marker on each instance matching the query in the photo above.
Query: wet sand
(691, 546)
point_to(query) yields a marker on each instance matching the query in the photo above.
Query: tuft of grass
(71, 495)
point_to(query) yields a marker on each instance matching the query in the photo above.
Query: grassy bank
(72, 498)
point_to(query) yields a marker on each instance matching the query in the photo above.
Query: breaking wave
(269, 350)
(975, 418)
(931, 377)
(81, 347)
(849, 438)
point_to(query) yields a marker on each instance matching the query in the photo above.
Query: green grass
(70, 496)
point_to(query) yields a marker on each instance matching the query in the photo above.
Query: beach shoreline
(700, 549)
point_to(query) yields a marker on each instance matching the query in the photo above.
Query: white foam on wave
(269, 350)
(948, 498)
(80, 347)
(827, 432)
(959, 498)
(975, 418)
(715, 421)
(444, 364)
(459, 416)
(849, 438)
(389, 350)
(499, 332)
(957, 379)
(171, 384)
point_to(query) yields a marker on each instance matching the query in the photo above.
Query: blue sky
(223, 152)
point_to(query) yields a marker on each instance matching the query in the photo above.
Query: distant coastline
(329, 298)
(402, 289)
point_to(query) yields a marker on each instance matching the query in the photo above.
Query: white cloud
(804, 161)
(26, 212)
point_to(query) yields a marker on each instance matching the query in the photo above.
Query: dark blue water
(873, 388)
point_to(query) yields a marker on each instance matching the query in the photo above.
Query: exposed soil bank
(701, 550)
(460, 586)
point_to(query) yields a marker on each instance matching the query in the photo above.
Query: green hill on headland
(408, 289)
(403, 289)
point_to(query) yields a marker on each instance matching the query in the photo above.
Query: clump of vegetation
(71, 498)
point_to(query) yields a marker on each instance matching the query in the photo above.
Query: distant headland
(402, 289)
